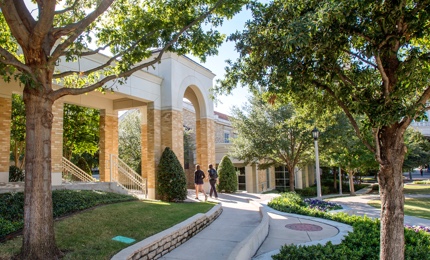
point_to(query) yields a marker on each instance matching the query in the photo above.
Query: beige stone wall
(220, 129)
(5, 121)
(205, 142)
(108, 142)
(57, 136)
(151, 147)
(172, 132)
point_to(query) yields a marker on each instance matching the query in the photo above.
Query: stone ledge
(161, 243)
(249, 246)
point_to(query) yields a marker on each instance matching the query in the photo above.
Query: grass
(88, 235)
(417, 207)
(417, 189)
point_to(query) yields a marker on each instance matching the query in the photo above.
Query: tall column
(57, 142)
(205, 142)
(5, 121)
(108, 142)
(151, 147)
(172, 129)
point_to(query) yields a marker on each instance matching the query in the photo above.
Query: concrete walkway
(217, 241)
(234, 229)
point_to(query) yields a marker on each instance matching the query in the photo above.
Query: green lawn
(417, 207)
(417, 189)
(88, 235)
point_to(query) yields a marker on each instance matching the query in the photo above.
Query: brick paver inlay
(303, 227)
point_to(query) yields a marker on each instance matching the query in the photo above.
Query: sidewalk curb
(249, 246)
(165, 241)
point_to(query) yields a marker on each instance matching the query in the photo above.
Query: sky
(217, 64)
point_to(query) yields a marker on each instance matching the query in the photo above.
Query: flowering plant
(321, 205)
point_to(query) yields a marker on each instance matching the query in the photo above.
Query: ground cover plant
(362, 243)
(88, 234)
(64, 201)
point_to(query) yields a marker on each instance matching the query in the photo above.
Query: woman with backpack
(213, 176)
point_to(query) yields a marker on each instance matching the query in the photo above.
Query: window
(226, 137)
(282, 178)
(241, 180)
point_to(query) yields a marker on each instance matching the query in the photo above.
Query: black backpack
(213, 174)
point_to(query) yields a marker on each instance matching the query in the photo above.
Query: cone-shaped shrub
(172, 184)
(227, 176)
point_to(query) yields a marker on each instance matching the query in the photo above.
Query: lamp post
(315, 135)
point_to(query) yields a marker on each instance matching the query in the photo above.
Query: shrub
(172, 184)
(312, 191)
(227, 176)
(15, 174)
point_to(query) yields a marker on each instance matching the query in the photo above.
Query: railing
(72, 172)
(126, 177)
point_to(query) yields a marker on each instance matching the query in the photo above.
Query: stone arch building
(157, 92)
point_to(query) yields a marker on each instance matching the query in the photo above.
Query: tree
(129, 139)
(171, 181)
(370, 58)
(136, 34)
(271, 135)
(81, 135)
(418, 153)
(227, 176)
(341, 147)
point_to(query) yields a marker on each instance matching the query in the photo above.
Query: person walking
(213, 176)
(199, 176)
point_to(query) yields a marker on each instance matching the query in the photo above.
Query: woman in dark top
(199, 176)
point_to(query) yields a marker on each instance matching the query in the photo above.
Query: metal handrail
(126, 177)
(70, 169)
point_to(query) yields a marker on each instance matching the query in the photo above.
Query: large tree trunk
(292, 179)
(351, 184)
(391, 191)
(38, 237)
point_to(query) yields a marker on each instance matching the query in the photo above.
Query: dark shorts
(199, 182)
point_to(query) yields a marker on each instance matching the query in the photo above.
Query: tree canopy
(131, 35)
(371, 58)
(271, 135)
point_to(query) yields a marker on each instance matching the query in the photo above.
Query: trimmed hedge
(64, 202)
(362, 243)
(172, 183)
(227, 176)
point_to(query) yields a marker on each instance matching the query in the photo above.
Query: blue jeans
(213, 189)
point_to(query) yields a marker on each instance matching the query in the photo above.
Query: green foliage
(227, 176)
(418, 153)
(129, 139)
(171, 181)
(17, 131)
(312, 191)
(272, 134)
(81, 136)
(64, 201)
(15, 174)
(362, 243)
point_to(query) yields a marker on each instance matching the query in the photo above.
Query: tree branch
(347, 113)
(12, 16)
(9, 59)
(360, 58)
(74, 91)
(44, 24)
(104, 65)
(384, 76)
(67, 9)
(76, 29)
